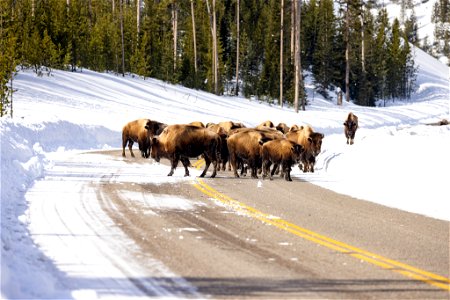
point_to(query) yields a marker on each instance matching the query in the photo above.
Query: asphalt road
(283, 240)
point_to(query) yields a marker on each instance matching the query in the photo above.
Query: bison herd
(265, 148)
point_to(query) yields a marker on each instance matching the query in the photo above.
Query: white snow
(46, 176)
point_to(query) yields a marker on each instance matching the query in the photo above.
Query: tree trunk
(121, 34)
(292, 29)
(175, 33)
(363, 56)
(297, 65)
(281, 52)
(347, 56)
(216, 62)
(237, 47)
(194, 36)
(138, 16)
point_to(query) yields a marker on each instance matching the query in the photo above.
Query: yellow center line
(372, 258)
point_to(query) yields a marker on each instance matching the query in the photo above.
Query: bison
(244, 146)
(180, 142)
(140, 131)
(265, 124)
(197, 124)
(312, 144)
(350, 127)
(280, 152)
(282, 127)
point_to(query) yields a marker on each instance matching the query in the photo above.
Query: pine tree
(395, 64)
(7, 58)
(322, 63)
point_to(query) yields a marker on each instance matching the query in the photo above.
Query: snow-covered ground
(396, 160)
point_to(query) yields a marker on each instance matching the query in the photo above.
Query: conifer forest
(260, 49)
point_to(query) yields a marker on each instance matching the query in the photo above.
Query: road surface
(254, 238)
(107, 226)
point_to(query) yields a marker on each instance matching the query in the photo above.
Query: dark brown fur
(350, 127)
(224, 155)
(280, 152)
(312, 144)
(140, 131)
(179, 142)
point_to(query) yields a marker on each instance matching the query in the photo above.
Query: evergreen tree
(324, 52)
(395, 64)
(7, 58)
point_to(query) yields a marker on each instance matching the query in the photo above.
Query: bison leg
(174, 163)
(232, 163)
(124, 144)
(254, 168)
(266, 168)
(130, 147)
(275, 167)
(207, 163)
(215, 165)
(186, 163)
(287, 172)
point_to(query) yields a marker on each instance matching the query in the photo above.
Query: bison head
(315, 141)
(350, 128)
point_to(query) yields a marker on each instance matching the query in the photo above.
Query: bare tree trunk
(281, 52)
(175, 33)
(121, 33)
(194, 36)
(237, 47)
(347, 56)
(138, 16)
(292, 29)
(296, 29)
(363, 50)
(33, 7)
(113, 6)
(216, 62)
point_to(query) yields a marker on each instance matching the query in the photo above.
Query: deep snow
(396, 160)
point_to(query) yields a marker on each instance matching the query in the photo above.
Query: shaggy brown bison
(282, 127)
(198, 124)
(223, 148)
(180, 142)
(140, 131)
(244, 146)
(311, 142)
(265, 124)
(280, 152)
(350, 127)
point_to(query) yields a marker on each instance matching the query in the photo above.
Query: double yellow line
(372, 258)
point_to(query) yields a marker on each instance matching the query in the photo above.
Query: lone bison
(350, 127)
(311, 142)
(180, 142)
(280, 152)
(140, 131)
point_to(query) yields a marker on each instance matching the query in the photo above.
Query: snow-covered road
(93, 256)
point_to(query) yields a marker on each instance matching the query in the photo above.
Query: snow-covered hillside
(396, 160)
(423, 10)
